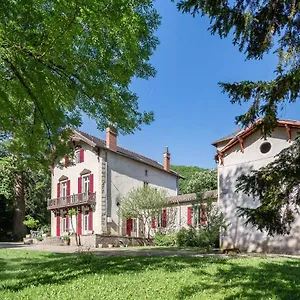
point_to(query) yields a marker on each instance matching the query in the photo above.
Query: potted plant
(31, 223)
(66, 240)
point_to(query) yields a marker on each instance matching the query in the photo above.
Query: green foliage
(61, 59)
(72, 212)
(54, 275)
(45, 229)
(143, 204)
(187, 172)
(205, 235)
(39, 238)
(258, 27)
(205, 180)
(66, 238)
(276, 187)
(30, 222)
(164, 239)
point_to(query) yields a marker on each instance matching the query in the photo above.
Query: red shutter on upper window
(68, 187)
(81, 155)
(68, 191)
(66, 161)
(164, 218)
(67, 223)
(92, 183)
(79, 223)
(57, 225)
(79, 185)
(153, 222)
(90, 223)
(58, 190)
(189, 215)
(203, 214)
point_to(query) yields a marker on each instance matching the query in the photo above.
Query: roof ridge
(136, 156)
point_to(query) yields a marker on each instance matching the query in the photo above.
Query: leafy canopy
(59, 59)
(200, 182)
(258, 27)
(187, 172)
(276, 186)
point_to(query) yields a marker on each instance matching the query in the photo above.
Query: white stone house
(95, 182)
(238, 154)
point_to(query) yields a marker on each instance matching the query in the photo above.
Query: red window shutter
(81, 155)
(66, 161)
(90, 225)
(153, 222)
(203, 214)
(58, 190)
(79, 223)
(67, 223)
(164, 218)
(68, 191)
(189, 215)
(92, 183)
(57, 225)
(68, 187)
(79, 185)
(128, 226)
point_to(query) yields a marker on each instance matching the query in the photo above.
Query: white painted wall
(92, 163)
(237, 163)
(124, 174)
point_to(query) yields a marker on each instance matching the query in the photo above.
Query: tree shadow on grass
(246, 278)
(267, 280)
(54, 268)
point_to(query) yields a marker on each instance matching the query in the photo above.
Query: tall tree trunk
(19, 228)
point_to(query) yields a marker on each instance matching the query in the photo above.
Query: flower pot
(67, 242)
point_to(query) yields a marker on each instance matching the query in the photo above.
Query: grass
(43, 275)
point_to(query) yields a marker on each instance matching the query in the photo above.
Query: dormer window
(79, 155)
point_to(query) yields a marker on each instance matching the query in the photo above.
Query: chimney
(111, 138)
(167, 156)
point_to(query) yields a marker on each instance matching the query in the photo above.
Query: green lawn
(41, 275)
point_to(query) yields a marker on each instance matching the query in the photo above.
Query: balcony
(72, 200)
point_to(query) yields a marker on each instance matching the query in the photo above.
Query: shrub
(165, 239)
(39, 238)
(45, 229)
(66, 238)
(30, 222)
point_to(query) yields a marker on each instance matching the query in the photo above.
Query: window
(85, 184)
(146, 173)
(265, 147)
(85, 221)
(77, 156)
(64, 224)
(63, 189)
(199, 217)
(134, 225)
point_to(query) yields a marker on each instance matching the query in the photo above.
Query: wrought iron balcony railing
(72, 200)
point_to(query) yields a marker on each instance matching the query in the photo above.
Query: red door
(128, 227)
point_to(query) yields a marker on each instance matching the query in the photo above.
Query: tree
(276, 187)
(143, 204)
(73, 212)
(257, 28)
(60, 59)
(206, 180)
(187, 172)
(23, 190)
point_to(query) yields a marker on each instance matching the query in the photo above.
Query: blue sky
(190, 110)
